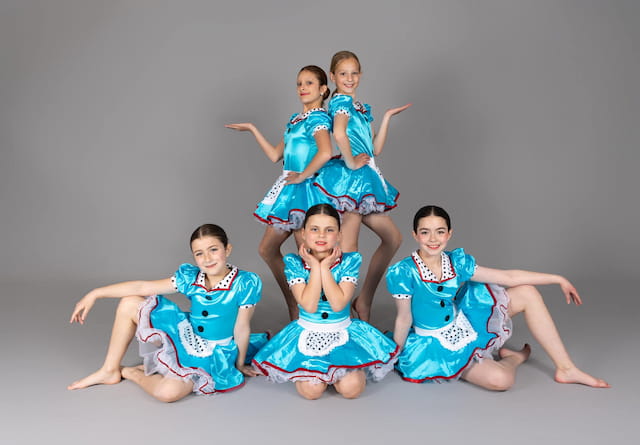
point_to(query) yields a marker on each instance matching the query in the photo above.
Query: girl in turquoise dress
(305, 147)
(324, 346)
(450, 323)
(354, 182)
(206, 350)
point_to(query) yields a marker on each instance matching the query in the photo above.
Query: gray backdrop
(524, 126)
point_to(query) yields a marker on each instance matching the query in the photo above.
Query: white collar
(425, 273)
(224, 284)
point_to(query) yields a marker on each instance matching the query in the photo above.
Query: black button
(447, 318)
(208, 297)
(325, 315)
(440, 288)
(441, 303)
(200, 329)
(324, 298)
(205, 313)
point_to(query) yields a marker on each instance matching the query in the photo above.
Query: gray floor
(43, 353)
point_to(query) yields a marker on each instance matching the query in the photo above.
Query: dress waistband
(324, 327)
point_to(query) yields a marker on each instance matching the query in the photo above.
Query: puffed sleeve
(184, 277)
(367, 112)
(400, 281)
(318, 120)
(340, 104)
(294, 270)
(251, 290)
(350, 267)
(464, 264)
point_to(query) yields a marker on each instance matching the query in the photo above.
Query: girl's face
(321, 234)
(346, 76)
(432, 235)
(309, 89)
(210, 255)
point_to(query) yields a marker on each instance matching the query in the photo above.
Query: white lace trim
(194, 344)
(427, 275)
(273, 193)
(302, 116)
(174, 284)
(353, 280)
(402, 296)
(343, 111)
(319, 128)
(294, 281)
(247, 306)
(454, 336)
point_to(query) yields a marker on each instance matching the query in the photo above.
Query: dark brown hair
(320, 75)
(322, 209)
(429, 211)
(210, 230)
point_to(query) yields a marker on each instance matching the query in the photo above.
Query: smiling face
(210, 256)
(432, 235)
(346, 76)
(321, 234)
(310, 91)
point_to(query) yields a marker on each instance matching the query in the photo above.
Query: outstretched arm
(511, 278)
(322, 156)
(241, 333)
(381, 137)
(340, 123)
(273, 152)
(404, 319)
(119, 290)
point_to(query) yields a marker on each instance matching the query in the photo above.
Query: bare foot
(100, 377)
(519, 357)
(132, 372)
(574, 375)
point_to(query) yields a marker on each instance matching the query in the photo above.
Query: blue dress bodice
(359, 126)
(214, 311)
(299, 143)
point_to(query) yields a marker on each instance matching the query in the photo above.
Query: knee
(500, 381)
(352, 385)
(168, 394)
(130, 305)
(267, 252)
(310, 391)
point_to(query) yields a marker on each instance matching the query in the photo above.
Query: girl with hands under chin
(324, 346)
(305, 147)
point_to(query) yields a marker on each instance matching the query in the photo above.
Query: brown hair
(210, 230)
(321, 209)
(339, 57)
(429, 211)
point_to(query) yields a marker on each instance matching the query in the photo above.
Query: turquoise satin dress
(456, 322)
(325, 345)
(364, 190)
(284, 206)
(198, 345)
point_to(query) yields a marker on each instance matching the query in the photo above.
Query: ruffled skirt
(284, 206)
(324, 353)
(363, 190)
(481, 327)
(169, 346)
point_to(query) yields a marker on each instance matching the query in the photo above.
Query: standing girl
(449, 322)
(325, 347)
(306, 147)
(354, 182)
(203, 351)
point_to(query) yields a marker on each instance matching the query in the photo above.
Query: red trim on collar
(431, 281)
(233, 271)
(338, 261)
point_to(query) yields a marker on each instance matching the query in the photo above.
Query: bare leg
(124, 328)
(351, 385)
(390, 239)
(350, 229)
(165, 389)
(311, 390)
(527, 299)
(497, 375)
(270, 252)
